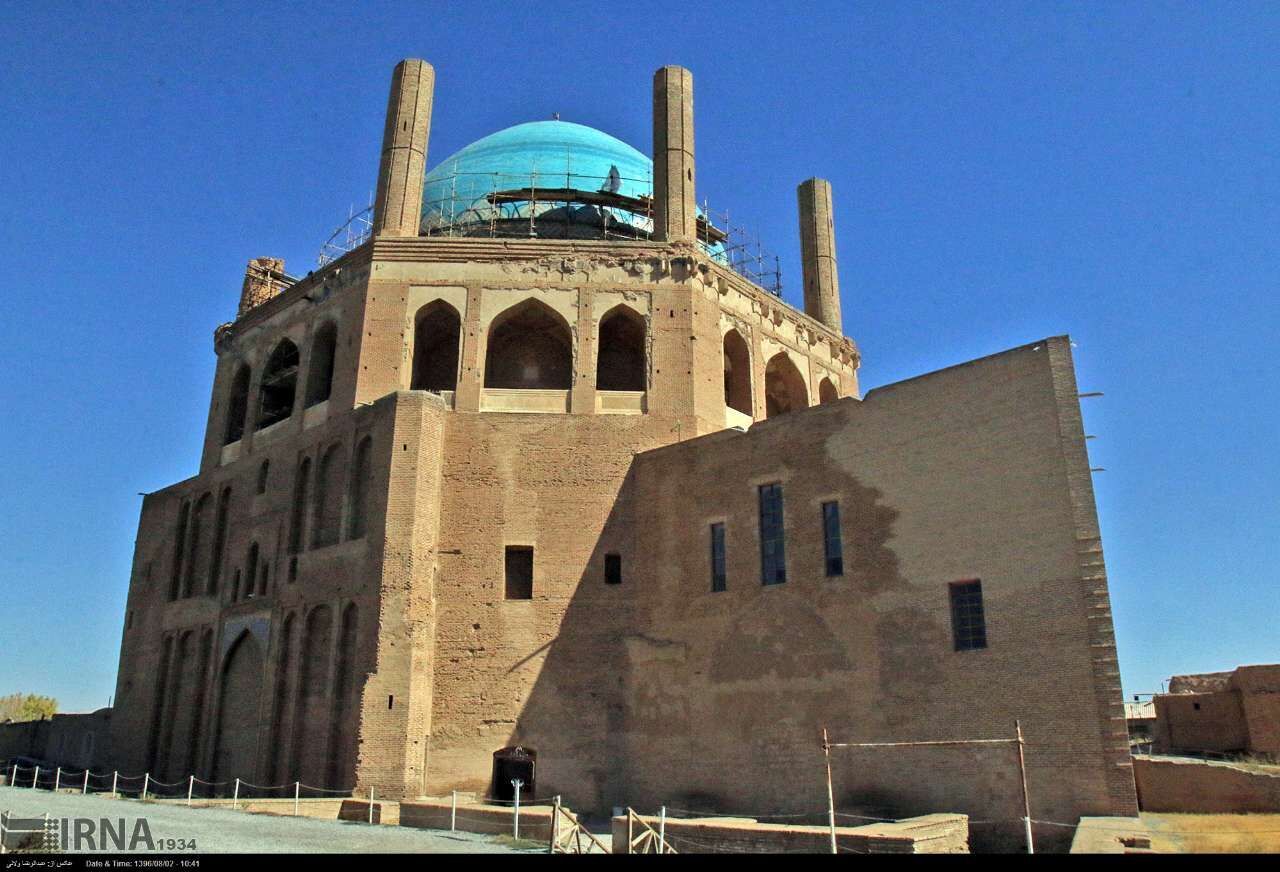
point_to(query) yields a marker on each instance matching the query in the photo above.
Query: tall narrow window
(831, 538)
(263, 471)
(519, 572)
(719, 577)
(320, 372)
(279, 382)
(251, 570)
(358, 503)
(773, 563)
(613, 569)
(327, 517)
(179, 550)
(737, 373)
(219, 542)
(968, 622)
(237, 405)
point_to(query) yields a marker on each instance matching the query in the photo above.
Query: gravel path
(217, 831)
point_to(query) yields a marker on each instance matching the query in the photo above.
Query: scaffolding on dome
(562, 205)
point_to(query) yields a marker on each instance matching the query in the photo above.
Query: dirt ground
(1213, 833)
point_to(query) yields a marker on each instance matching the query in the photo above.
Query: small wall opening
(737, 373)
(620, 357)
(519, 572)
(437, 327)
(511, 764)
(358, 500)
(784, 389)
(279, 385)
(320, 373)
(531, 348)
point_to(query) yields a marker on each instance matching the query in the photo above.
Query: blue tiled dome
(539, 154)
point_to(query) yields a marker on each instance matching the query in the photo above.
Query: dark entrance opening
(510, 764)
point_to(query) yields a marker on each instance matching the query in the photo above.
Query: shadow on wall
(659, 691)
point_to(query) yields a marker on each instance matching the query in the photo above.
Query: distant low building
(1235, 712)
(1140, 717)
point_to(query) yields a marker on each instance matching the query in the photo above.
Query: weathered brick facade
(325, 601)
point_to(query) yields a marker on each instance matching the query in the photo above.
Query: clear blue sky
(1002, 172)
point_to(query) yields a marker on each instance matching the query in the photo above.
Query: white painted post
(146, 782)
(85, 789)
(235, 797)
(297, 788)
(517, 784)
(13, 779)
(662, 828)
(57, 779)
(370, 806)
(115, 778)
(35, 778)
(191, 785)
(453, 813)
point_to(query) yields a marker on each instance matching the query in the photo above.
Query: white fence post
(235, 797)
(516, 783)
(115, 778)
(57, 779)
(35, 778)
(297, 788)
(453, 813)
(371, 806)
(85, 789)
(13, 779)
(146, 782)
(191, 785)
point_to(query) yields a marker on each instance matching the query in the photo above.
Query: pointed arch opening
(279, 384)
(436, 331)
(784, 389)
(737, 373)
(219, 542)
(324, 347)
(327, 516)
(239, 720)
(358, 499)
(530, 348)
(620, 354)
(827, 392)
(237, 405)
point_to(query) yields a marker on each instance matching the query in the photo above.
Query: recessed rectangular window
(718, 575)
(773, 563)
(832, 546)
(968, 623)
(613, 569)
(519, 572)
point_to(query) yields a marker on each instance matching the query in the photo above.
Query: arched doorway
(784, 389)
(513, 763)
(239, 718)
